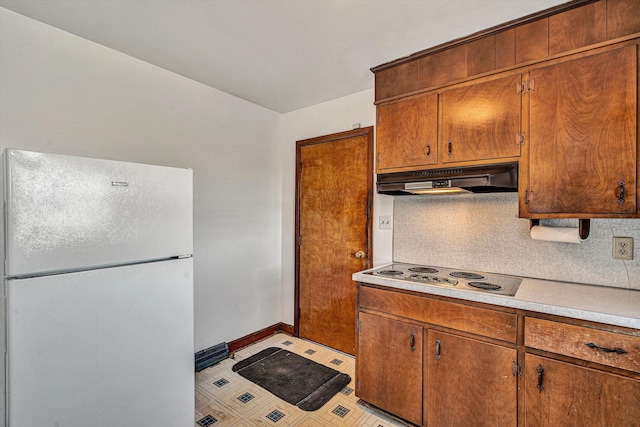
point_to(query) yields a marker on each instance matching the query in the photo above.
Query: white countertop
(613, 306)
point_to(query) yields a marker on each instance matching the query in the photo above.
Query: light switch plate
(385, 222)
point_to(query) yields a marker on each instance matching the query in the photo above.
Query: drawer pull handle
(412, 342)
(437, 349)
(540, 372)
(428, 151)
(617, 350)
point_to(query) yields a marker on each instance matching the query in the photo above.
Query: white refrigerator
(97, 312)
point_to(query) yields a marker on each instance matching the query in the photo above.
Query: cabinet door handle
(450, 148)
(621, 197)
(438, 349)
(540, 372)
(412, 342)
(428, 150)
(617, 350)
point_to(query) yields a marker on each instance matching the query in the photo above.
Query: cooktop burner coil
(390, 272)
(484, 285)
(423, 270)
(466, 275)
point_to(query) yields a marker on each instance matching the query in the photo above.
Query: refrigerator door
(64, 213)
(107, 348)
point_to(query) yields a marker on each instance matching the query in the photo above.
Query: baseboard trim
(247, 340)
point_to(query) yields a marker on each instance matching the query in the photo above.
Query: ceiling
(281, 54)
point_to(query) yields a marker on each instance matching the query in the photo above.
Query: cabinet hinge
(379, 118)
(525, 87)
(358, 325)
(299, 240)
(516, 369)
(520, 138)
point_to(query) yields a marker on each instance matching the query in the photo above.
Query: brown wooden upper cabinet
(481, 121)
(582, 137)
(406, 134)
(573, 126)
(564, 29)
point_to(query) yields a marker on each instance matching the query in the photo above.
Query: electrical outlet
(623, 248)
(385, 222)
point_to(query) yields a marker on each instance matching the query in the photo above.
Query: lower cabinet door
(389, 366)
(563, 394)
(468, 382)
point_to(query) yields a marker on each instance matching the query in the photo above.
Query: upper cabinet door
(583, 122)
(406, 134)
(481, 121)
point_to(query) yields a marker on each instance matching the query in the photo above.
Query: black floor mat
(295, 379)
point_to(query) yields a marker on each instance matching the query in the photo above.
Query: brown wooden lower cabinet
(431, 377)
(468, 382)
(389, 370)
(563, 394)
(414, 361)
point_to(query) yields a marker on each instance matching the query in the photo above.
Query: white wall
(323, 119)
(63, 94)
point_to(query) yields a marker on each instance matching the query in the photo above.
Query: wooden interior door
(333, 224)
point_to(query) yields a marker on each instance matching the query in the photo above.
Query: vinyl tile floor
(224, 398)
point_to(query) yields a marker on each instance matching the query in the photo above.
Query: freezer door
(65, 213)
(108, 348)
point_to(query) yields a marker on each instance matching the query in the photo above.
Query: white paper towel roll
(556, 234)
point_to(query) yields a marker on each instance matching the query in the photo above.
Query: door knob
(359, 254)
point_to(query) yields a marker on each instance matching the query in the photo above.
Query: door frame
(368, 132)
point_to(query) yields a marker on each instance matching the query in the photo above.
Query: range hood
(494, 178)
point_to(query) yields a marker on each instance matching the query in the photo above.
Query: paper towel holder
(584, 226)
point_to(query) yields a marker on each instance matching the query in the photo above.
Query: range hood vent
(495, 178)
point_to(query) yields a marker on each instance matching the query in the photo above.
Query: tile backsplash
(483, 232)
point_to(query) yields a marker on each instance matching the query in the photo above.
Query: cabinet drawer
(583, 343)
(475, 320)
